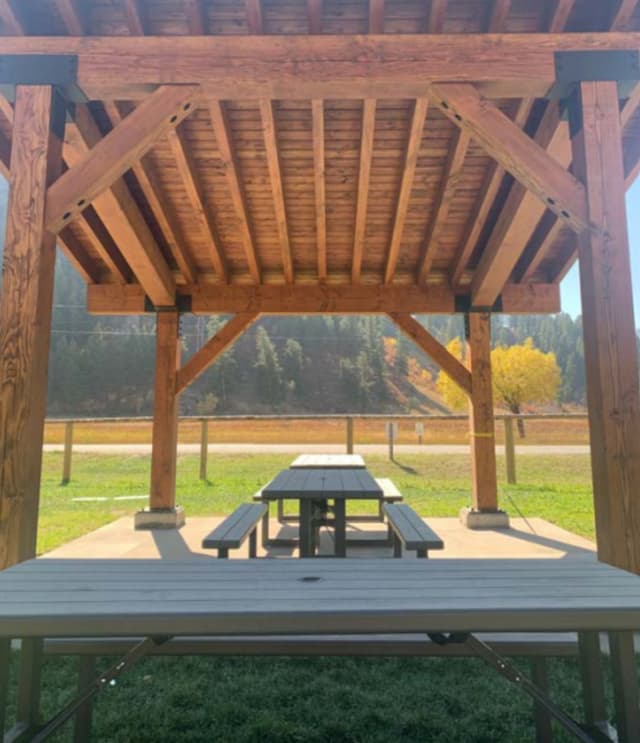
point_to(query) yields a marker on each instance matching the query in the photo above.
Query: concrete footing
(484, 519)
(160, 518)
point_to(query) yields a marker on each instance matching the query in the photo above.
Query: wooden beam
(162, 211)
(376, 16)
(449, 364)
(275, 175)
(437, 12)
(100, 240)
(191, 182)
(195, 17)
(123, 218)
(25, 316)
(624, 14)
(303, 67)
(213, 348)
(448, 187)
(518, 218)
(9, 18)
(234, 181)
(481, 415)
(366, 156)
(609, 330)
(116, 153)
(302, 299)
(317, 116)
(414, 140)
(254, 16)
(134, 17)
(517, 153)
(72, 16)
(498, 15)
(549, 228)
(314, 14)
(560, 15)
(77, 256)
(164, 450)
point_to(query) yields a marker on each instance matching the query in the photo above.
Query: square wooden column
(162, 511)
(609, 327)
(484, 512)
(25, 316)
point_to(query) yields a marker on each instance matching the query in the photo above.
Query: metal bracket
(182, 305)
(58, 70)
(462, 303)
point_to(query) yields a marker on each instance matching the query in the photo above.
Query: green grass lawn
(263, 700)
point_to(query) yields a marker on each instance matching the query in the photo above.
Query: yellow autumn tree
(451, 393)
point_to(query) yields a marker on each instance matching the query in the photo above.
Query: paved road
(314, 449)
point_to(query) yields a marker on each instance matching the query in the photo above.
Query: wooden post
(510, 451)
(162, 512)
(68, 449)
(25, 316)
(204, 447)
(484, 511)
(349, 435)
(609, 328)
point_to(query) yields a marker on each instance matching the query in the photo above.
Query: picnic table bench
(234, 530)
(410, 531)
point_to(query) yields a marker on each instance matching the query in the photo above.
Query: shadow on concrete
(570, 550)
(172, 546)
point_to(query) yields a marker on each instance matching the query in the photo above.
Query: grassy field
(317, 700)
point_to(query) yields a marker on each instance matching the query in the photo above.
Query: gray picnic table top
(323, 483)
(327, 461)
(111, 598)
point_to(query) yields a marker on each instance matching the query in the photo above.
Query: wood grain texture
(364, 174)
(25, 316)
(437, 12)
(481, 416)
(213, 348)
(164, 452)
(135, 19)
(194, 11)
(499, 12)
(319, 179)
(609, 331)
(416, 332)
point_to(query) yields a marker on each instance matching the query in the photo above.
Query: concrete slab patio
(535, 538)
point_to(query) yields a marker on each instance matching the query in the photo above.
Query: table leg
(306, 528)
(29, 685)
(595, 707)
(539, 676)
(340, 527)
(5, 659)
(625, 686)
(86, 675)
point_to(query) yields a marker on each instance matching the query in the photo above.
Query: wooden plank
(414, 140)
(364, 174)
(317, 117)
(277, 299)
(449, 184)
(416, 332)
(314, 14)
(517, 153)
(159, 204)
(10, 19)
(98, 237)
(72, 16)
(437, 13)
(253, 9)
(25, 312)
(164, 452)
(414, 532)
(234, 181)
(623, 14)
(609, 330)
(135, 19)
(303, 67)
(541, 250)
(77, 256)
(560, 13)
(499, 12)
(275, 175)
(195, 16)
(376, 16)
(213, 348)
(481, 418)
(116, 153)
(233, 531)
(191, 182)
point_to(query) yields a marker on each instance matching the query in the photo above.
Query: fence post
(204, 447)
(349, 435)
(510, 451)
(68, 448)
(391, 435)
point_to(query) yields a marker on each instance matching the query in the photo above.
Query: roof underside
(248, 176)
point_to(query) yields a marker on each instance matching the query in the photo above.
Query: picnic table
(313, 488)
(162, 599)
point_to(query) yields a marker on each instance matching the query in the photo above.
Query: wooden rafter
(275, 175)
(195, 17)
(448, 187)
(314, 14)
(548, 230)
(167, 222)
(449, 364)
(191, 182)
(113, 155)
(408, 173)
(366, 156)
(437, 12)
(135, 19)
(234, 181)
(78, 257)
(376, 16)
(213, 348)
(254, 16)
(499, 12)
(72, 17)
(10, 19)
(100, 240)
(317, 116)
(623, 14)
(285, 299)
(560, 13)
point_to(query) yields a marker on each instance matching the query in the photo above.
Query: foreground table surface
(58, 598)
(328, 461)
(323, 482)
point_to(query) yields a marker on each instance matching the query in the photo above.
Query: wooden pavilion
(249, 157)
